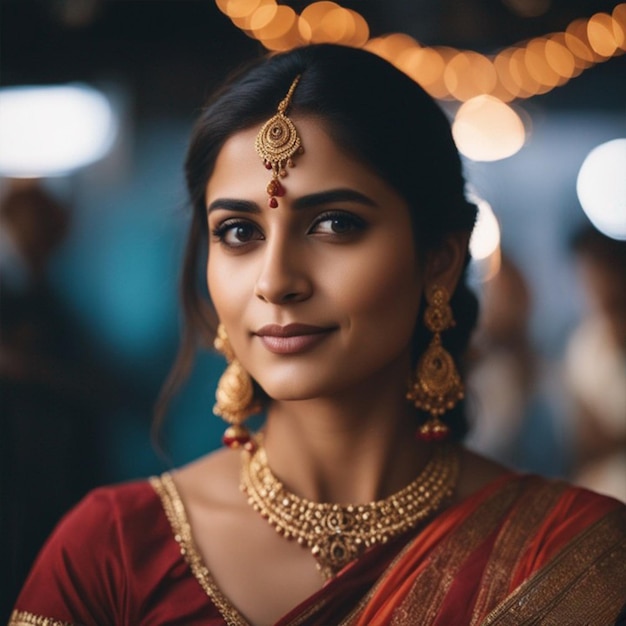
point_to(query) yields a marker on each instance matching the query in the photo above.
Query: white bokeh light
(51, 131)
(485, 242)
(601, 188)
(485, 238)
(487, 129)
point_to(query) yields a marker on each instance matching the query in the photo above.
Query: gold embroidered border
(177, 516)
(584, 584)
(24, 618)
(354, 614)
(517, 532)
(430, 588)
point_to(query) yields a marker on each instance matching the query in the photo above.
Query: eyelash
(354, 223)
(221, 230)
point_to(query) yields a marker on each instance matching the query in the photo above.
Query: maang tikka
(277, 143)
(234, 395)
(437, 386)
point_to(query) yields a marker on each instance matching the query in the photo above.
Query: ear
(444, 264)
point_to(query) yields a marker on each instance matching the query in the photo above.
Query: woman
(330, 194)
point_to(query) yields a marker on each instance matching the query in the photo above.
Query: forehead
(240, 172)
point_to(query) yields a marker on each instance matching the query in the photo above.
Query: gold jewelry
(437, 386)
(339, 533)
(277, 142)
(234, 395)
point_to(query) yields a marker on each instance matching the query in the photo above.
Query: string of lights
(521, 71)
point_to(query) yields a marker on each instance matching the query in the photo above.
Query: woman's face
(322, 293)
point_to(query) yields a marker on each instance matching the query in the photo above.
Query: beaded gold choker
(277, 142)
(338, 533)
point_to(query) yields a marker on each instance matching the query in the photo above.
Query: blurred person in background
(595, 366)
(509, 383)
(330, 223)
(48, 407)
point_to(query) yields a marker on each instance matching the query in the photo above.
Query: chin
(293, 390)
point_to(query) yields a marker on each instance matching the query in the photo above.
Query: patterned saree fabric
(523, 550)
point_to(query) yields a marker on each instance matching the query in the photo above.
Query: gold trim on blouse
(174, 508)
(24, 618)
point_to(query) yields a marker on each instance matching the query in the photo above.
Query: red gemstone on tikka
(273, 203)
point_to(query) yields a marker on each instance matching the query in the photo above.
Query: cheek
(221, 290)
(231, 282)
(384, 287)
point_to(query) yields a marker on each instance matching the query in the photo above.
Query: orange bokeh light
(519, 71)
(243, 20)
(528, 86)
(314, 15)
(559, 57)
(361, 30)
(288, 40)
(337, 26)
(538, 66)
(241, 8)
(507, 83)
(262, 17)
(619, 20)
(279, 25)
(391, 47)
(601, 35)
(469, 74)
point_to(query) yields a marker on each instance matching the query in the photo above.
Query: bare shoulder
(212, 480)
(235, 543)
(476, 473)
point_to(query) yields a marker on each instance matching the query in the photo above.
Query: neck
(350, 449)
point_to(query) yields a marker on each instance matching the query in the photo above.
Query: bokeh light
(520, 71)
(469, 74)
(601, 32)
(53, 130)
(485, 241)
(601, 188)
(282, 19)
(560, 58)
(487, 129)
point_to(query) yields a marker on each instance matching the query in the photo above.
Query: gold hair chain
(338, 533)
(276, 143)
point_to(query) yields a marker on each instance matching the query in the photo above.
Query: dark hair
(375, 113)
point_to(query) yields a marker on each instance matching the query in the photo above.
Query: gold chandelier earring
(234, 395)
(437, 385)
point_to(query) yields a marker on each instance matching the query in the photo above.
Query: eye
(236, 233)
(337, 223)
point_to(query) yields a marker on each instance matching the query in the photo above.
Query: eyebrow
(243, 206)
(331, 196)
(305, 202)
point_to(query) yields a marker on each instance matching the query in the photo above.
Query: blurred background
(93, 217)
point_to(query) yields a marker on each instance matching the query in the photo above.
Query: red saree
(522, 550)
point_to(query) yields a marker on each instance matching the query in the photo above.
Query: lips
(293, 338)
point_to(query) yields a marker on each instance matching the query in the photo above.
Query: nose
(284, 276)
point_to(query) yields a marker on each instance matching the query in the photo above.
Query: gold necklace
(339, 533)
